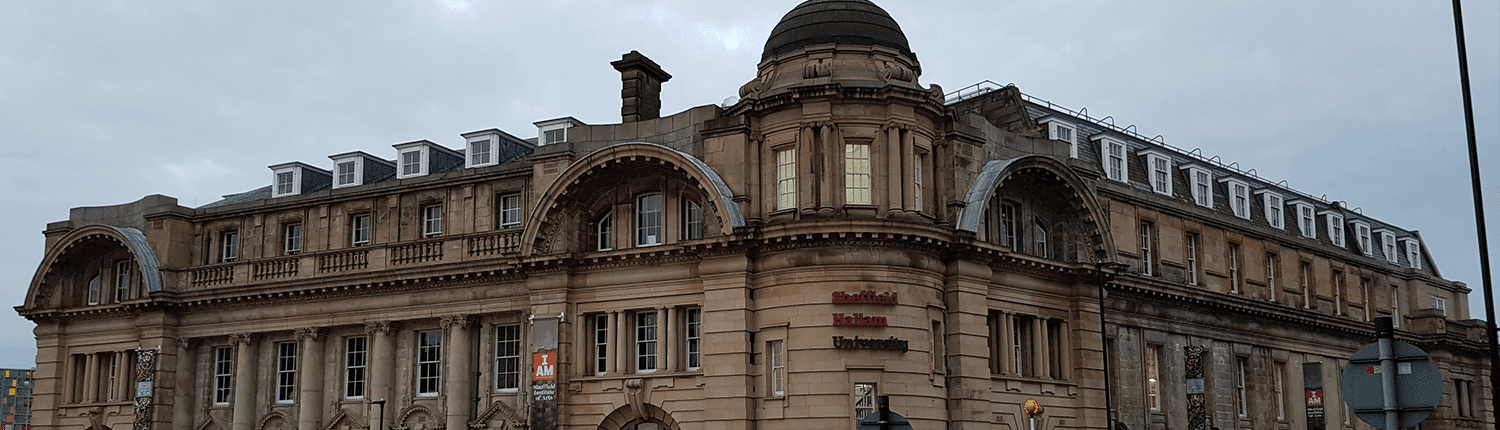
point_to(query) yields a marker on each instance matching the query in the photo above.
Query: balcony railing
(477, 246)
(279, 268)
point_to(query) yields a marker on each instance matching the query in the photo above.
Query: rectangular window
(291, 238)
(1395, 307)
(554, 136)
(223, 378)
(778, 368)
(1305, 221)
(1338, 292)
(432, 220)
(939, 344)
(479, 152)
(1240, 394)
(692, 220)
(359, 227)
(1239, 193)
(1440, 304)
(231, 246)
(1153, 377)
(1388, 244)
(916, 175)
(786, 179)
(122, 280)
(1414, 254)
(1304, 270)
(604, 233)
(1364, 291)
(1008, 225)
(1040, 234)
(508, 357)
(411, 162)
(601, 344)
(1362, 230)
(429, 362)
(1280, 387)
(108, 362)
(1161, 173)
(1234, 268)
(645, 342)
(1203, 187)
(1273, 210)
(286, 372)
(864, 401)
(1114, 160)
(1148, 260)
(510, 210)
(857, 173)
(1271, 275)
(94, 290)
(694, 338)
(355, 361)
(284, 182)
(1336, 229)
(1022, 331)
(648, 220)
(1192, 258)
(346, 173)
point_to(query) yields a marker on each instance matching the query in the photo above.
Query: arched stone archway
(627, 418)
(572, 195)
(90, 247)
(1061, 198)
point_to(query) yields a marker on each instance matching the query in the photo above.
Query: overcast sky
(103, 102)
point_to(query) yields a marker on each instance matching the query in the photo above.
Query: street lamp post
(380, 425)
(1104, 278)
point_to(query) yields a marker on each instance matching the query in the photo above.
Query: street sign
(1418, 386)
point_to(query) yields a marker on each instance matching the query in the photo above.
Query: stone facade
(839, 233)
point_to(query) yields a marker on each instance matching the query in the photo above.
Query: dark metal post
(380, 425)
(1104, 341)
(1484, 247)
(1385, 334)
(884, 403)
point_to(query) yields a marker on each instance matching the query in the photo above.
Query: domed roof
(853, 22)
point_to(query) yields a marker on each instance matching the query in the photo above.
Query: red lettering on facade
(864, 297)
(858, 320)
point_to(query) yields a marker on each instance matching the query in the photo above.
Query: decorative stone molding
(821, 68)
(242, 338)
(308, 333)
(456, 321)
(374, 327)
(634, 396)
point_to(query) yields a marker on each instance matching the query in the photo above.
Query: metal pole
(884, 403)
(1384, 333)
(1484, 247)
(380, 425)
(1104, 344)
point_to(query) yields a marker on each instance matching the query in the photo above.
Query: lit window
(346, 173)
(1040, 233)
(864, 401)
(692, 220)
(1274, 209)
(432, 220)
(1362, 231)
(1160, 166)
(429, 362)
(1335, 227)
(602, 233)
(508, 357)
(1239, 198)
(1192, 258)
(1203, 186)
(694, 338)
(778, 368)
(1234, 268)
(1414, 254)
(359, 227)
(223, 379)
(510, 210)
(1440, 304)
(286, 372)
(1388, 245)
(645, 342)
(291, 238)
(786, 179)
(1114, 159)
(1148, 260)
(122, 280)
(1305, 219)
(355, 361)
(94, 290)
(601, 344)
(231, 246)
(1008, 226)
(648, 220)
(480, 153)
(857, 173)
(1153, 377)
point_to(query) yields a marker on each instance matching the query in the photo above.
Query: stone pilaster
(726, 324)
(244, 381)
(967, 360)
(382, 365)
(310, 378)
(184, 400)
(460, 369)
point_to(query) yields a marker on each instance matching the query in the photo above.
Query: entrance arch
(650, 417)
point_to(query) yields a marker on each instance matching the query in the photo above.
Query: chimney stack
(642, 78)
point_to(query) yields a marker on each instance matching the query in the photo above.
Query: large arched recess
(83, 249)
(1060, 183)
(620, 162)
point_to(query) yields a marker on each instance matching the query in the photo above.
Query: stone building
(840, 232)
(15, 399)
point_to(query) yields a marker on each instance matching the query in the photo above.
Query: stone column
(891, 138)
(460, 369)
(183, 394)
(622, 338)
(669, 356)
(1007, 344)
(611, 348)
(381, 367)
(91, 378)
(310, 378)
(964, 290)
(244, 381)
(908, 168)
(1039, 348)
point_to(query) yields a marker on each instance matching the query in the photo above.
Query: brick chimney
(642, 78)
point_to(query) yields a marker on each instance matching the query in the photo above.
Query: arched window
(648, 220)
(602, 229)
(94, 290)
(692, 220)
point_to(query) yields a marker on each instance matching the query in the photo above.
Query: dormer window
(1112, 159)
(481, 152)
(1335, 227)
(1362, 232)
(1413, 253)
(411, 163)
(1388, 245)
(1066, 132)
(290, 179)
(421, 158)
(1239, 196)
(1202, 183)
(1272, 201)
(358, 168)
(1159, 167)
(555, 130)
(1305, 219)
(346, 173)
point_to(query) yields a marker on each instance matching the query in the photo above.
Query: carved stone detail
(456, 321)
(242, 338)
(373, 327)
(308, 333)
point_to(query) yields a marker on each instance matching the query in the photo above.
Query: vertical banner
(145, 370)
(1197, 413)
(1312, 382)
(544, 370)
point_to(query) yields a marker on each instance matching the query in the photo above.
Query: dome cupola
(851, 22)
